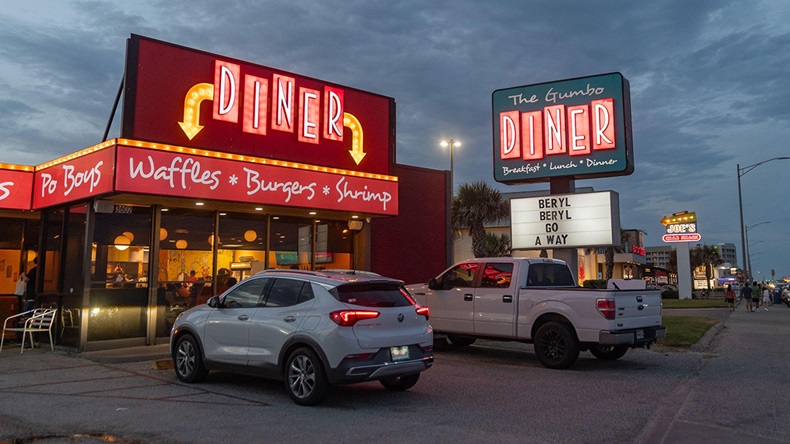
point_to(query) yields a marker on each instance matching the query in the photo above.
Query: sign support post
(684, 271)
(566, 185)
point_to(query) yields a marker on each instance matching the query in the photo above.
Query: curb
(705, 340)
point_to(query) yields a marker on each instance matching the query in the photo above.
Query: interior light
(122, 243)
(200, 204)
(258, 209)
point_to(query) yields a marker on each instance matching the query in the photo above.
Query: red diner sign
(182, 96)
(15, 189)
(84, 176)
(170, 173)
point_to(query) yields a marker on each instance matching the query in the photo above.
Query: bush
(670, 294)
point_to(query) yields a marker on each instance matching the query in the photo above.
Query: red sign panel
(16, 188)
(694, 237)
(82, 177)
(175, 174)
(181, 96)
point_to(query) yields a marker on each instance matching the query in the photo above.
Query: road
(735, 390)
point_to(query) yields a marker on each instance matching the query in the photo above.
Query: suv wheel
(305, 379)
(188, 361)
(400, 383)
(556, 345)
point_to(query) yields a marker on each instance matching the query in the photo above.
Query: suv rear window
(371, 295)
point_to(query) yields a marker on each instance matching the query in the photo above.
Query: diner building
(223, 168)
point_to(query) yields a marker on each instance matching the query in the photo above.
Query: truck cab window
(549, 275)
(497, 275)
(462, 275)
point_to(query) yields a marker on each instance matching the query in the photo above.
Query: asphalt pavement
(739, 392)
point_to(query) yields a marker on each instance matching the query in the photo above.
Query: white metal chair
(38, 320)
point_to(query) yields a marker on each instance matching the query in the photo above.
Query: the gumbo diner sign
(579, 128)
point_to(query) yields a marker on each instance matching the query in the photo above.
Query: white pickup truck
(536, 300)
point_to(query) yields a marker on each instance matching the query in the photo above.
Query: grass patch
(694, 303)
(685, 331)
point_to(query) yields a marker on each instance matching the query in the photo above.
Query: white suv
(310, 329)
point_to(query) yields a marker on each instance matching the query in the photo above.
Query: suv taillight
(347, 318)
(607, 308)
(423, 311)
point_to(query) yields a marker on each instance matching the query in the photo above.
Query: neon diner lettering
(576, 130)
(283, 94)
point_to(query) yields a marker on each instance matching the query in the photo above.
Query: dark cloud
(707, 82)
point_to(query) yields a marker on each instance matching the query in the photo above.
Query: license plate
(399, 353)
(640, 334)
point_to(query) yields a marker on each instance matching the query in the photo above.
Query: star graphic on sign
(233, 179)
(326, 190)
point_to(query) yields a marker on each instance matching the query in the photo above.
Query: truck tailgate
(638, 308)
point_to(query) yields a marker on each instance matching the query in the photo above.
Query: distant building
(658, 256)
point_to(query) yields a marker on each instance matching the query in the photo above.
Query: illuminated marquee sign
(170, 173)
(565, 221)
(579, 128)
(16, 186)
(85, 174)
(181, 96)
(681, 227)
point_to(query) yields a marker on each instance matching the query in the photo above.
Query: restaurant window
(119, 273)
(10, 255)
(292, 244)
(184, 266)
(242, 247)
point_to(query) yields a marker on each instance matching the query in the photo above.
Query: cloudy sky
(707, 82)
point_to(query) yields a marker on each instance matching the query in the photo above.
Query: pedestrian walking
(766, 297)
(729, 295)
(755, 296)
(746, 295)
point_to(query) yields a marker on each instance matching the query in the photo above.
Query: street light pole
(742, 172)
(748, 263)
(450, 192)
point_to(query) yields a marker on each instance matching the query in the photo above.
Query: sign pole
(684, 271)
(566, 185)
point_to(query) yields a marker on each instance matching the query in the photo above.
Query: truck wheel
(461, 341)
(608, 352)
(305, 379)
(400, 383)
(556, 345)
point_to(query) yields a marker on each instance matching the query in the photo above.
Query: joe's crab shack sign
(579, 128)
(205, 126)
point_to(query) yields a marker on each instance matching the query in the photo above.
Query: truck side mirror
(433, 285)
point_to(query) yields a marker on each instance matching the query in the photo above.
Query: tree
(497, 246)
(475, 205)
(707, 256)
(609, 258)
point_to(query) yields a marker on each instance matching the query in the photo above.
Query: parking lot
(734, 391)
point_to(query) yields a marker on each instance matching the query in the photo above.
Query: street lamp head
(450, 143)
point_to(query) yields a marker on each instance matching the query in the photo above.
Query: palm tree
(707, 256)
(475, 205)
(609, 258)
(497, 246)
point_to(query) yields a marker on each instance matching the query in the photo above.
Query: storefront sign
(565, 221)
(181, 96)
(681, 227)
(16, 188)
(66, 181)
(579, 128)
(682, 237)
(166, 173)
